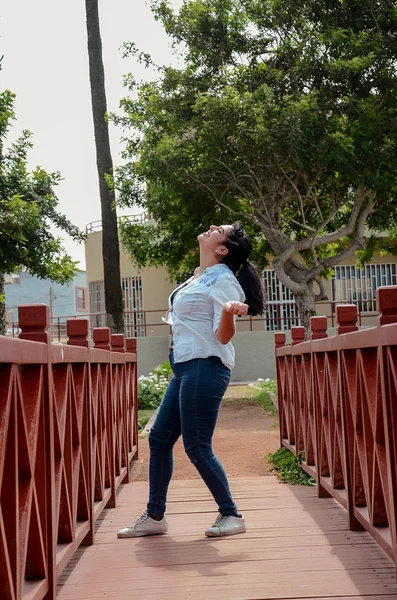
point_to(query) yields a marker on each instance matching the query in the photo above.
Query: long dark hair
(240, 247)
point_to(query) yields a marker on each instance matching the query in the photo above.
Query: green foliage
(269, 385)
(288, 468)
(151, 389)
(263, 398)
(143, 418)
(283, 115)
(28, 209)
(164, 370)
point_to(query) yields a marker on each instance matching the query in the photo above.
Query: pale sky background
(46, 65)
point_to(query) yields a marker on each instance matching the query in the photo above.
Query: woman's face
(215, 236)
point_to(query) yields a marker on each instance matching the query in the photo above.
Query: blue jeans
(190, 407)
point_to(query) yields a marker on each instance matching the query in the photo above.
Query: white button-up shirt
(196, 311)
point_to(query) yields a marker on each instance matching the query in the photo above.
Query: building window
(281, 312)
(134, 316)
(81, 299)
(358, 286)
(97, 304)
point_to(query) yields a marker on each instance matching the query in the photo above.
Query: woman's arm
(227, 328)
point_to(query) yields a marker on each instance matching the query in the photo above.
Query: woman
(202, 313)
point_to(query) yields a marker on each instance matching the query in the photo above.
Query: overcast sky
(46, 65)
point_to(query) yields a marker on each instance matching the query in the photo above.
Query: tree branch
(299, 195)
(219, 202)
(347, 229)
(355, 245)
(323, 294)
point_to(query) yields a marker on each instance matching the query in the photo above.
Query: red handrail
(68, 432)
(338, 410)
(152, 319)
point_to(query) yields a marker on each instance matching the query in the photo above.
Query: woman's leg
(163, 435)
(203, 382)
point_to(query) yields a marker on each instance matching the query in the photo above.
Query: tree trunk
(110, 241)
(2, 306)
(305, 302)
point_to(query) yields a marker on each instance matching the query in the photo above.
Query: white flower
(260, 379)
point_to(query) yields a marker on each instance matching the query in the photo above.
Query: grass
(269, 385)
(264, 399)
(251, 395)
(287, 467)
(143, 418)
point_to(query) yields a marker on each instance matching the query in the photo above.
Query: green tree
(283, 116)
(28, 208)
(110, 240)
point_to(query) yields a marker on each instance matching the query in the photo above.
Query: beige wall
(155, 281)
(254, 355)
(157, 287)
(325, 308)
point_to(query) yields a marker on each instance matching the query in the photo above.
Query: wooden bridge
(68, 431)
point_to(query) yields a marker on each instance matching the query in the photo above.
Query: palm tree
(110, 241)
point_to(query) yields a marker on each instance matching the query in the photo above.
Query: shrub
(288, 467)
(265, 400)
(163, 369)
(143, 418)
(151, 389)
(269, 385)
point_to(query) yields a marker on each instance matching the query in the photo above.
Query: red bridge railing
(338, 410)
(68, 432)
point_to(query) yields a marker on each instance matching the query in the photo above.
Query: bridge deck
(297, 546)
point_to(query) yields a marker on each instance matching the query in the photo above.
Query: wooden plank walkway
(297, 547)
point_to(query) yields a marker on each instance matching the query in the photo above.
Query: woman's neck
(205, 263)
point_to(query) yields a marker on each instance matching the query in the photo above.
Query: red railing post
(101, 338)
(386, 304)
(280, 340)
(77, 332)
(34, 320)
(132, 347)
(318, 327)
(297, 335)
(118, 342)
(346, 317)
(118, 400)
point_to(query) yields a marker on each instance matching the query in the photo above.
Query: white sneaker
(228, 525)
(145, 525)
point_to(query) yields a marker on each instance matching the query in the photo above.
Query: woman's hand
(226, 328)
(236, 308)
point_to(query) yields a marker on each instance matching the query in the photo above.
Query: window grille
(134, 316)
(81, 298)
(281, 312)
(358, 286)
